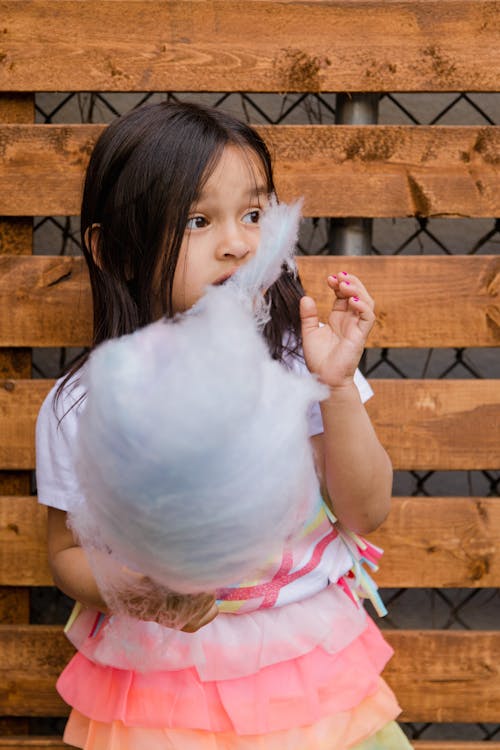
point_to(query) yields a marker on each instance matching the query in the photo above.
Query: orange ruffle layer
(297, 692)
(370, 723)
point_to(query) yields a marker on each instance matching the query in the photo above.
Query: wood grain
(437, 675)
(439, 425)
(429, 542)
(14, 605)
(20, 402)
(45, 300)
(55, 743)
(16, 236)
(420, 301)
(340, 170)
(104, 45)
(46, 743)
(31, 659)
(424, 424)
(446, 676)
(23, 543)
(440, 542)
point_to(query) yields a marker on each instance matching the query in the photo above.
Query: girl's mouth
(222, 280)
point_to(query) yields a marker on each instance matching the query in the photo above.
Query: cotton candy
(192, 448)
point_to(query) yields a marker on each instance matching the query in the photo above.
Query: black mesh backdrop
(408, 608)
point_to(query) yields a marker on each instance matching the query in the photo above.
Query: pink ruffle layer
(343, 730)
(296, 692)
(224, 649)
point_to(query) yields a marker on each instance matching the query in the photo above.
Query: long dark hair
(147, 169)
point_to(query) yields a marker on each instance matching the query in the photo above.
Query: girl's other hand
(333, 351)
(148, 600)
(207, 612)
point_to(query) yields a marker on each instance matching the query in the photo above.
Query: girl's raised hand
(333, 351)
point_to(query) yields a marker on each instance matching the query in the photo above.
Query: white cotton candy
(278, 235)
(192, 448)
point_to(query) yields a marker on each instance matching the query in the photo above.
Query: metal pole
(353, 236)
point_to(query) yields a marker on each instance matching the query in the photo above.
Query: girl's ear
(92, 237)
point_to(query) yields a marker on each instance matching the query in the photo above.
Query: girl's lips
(222, 279)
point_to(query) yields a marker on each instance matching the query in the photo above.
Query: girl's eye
(252, 217)
(197, 222)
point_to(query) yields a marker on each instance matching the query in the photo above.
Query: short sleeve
(315, 422)
(56, 428)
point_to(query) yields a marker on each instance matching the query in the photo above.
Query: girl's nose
(234, 244)
(237, 250)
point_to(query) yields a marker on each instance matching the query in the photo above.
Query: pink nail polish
(347, 282)
(345, 273)
(356, 299)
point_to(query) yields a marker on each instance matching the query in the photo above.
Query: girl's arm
(69, 565)
(72, 574)
(353, 466)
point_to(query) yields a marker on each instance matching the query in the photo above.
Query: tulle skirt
(276, 679)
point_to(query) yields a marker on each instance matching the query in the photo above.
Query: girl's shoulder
(66, 397)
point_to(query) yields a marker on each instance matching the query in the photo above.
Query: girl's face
(223, 227)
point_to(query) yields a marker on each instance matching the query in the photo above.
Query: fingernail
(356, 299)
(345, 273)
(347, 282)
(332, 276)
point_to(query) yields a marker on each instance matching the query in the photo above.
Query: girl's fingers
(198, 622)
(308, 315)
(366, 316)
(346, 285)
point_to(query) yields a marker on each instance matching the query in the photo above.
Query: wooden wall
(365, 171)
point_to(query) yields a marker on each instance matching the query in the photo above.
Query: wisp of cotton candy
(192, 450)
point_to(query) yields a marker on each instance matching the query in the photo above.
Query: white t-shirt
(57, 426)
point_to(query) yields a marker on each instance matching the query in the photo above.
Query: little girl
(172, 202)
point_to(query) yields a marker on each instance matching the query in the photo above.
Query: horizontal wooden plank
(438, 424)
(56, 743)
(31, 659)
(424, 424)
(440, 676)
(53, 743)
(106, 45)
(446, 676)
(16, 236)
(438, 542)
(23, 542)
(20, 402)
(341, 170)
(14, 607)
(30, 742)
(420, 301)
(45, 300)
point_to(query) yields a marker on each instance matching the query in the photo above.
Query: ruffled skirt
(243, 682)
